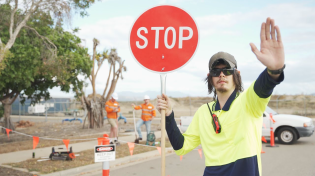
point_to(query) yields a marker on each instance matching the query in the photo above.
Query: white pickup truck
(288, 128)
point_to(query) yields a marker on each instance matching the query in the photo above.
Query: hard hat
(146, 97)
(115, 96)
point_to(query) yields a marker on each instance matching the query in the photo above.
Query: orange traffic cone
(272, 139)
(263, 139)
(262, 151)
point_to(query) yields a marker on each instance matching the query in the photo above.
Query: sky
(227, 26)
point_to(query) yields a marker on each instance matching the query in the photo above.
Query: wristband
(276, 72)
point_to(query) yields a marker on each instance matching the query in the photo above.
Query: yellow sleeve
(254, 104)
(191, 136)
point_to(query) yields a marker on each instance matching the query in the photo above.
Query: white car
(184, 123)
(288, 128)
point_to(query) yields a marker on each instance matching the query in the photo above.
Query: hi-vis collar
(228, 103)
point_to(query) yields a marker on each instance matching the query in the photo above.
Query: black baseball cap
(222, 58)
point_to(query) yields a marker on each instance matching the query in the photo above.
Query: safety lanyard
(215, 121)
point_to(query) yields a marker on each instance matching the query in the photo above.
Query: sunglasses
(217, 71)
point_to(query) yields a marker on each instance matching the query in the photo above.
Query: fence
(285, 104)
(296, 105)
(303, 105)
(182, 106)
(51, 108)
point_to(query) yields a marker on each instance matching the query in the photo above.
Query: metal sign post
(134, 123)
(163, 133)
(105, 153)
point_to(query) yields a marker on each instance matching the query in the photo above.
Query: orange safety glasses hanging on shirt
(215, 122)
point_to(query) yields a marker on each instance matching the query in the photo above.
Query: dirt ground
(13, 172)
(65, 130)
(303, 105)
(86, 157)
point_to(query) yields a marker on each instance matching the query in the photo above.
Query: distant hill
(136, 96)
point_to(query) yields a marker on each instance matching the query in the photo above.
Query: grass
(70, 131)
(28, 144)
(86, 158)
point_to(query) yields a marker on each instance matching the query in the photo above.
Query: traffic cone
(262, 151)
(263, 139)
(272, 139)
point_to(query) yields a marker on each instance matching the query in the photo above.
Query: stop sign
(163, 38)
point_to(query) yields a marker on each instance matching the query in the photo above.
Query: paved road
(191, 164)
(285, 160)
(290, 160)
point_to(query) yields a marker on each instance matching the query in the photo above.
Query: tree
(17, 19)
(1, 111)
(29, 74)
(93, 103)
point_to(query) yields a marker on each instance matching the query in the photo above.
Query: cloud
(301, 36)
(178, 1)
(112, 32)
(301, 70)
(289, 15)
(216, 24)
(229, 32)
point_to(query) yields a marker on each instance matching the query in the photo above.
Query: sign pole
(134, 123)
(163, 133)
(163, 39)
(105, 163)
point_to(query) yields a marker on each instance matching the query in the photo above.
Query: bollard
(272, 139)
(105, 163)
(272, 136)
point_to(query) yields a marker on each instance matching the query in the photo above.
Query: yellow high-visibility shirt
(240, 136)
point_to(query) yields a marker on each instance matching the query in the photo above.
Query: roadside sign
(38, 108)
(104, 153)
(163, 38)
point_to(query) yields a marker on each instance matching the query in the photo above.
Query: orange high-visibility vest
(147, 111)
(109, 107)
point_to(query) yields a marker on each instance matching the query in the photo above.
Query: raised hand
(271, 52)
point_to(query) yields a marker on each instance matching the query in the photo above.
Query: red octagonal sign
(164, 38)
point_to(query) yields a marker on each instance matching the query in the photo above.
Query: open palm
(271, 52)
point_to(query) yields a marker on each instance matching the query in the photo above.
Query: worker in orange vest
(112, 108)
(148, 113)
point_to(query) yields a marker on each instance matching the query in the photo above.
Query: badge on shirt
(115, 104)
(150, 107)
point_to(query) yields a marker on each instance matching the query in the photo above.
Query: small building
(54, 105)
